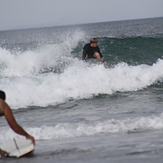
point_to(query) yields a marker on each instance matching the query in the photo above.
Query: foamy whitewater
(85, 112)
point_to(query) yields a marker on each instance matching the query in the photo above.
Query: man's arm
(5, 109)
(3, 153)
(85, 56)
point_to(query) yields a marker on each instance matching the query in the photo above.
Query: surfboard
(18, 147)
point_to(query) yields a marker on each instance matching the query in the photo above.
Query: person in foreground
(91, 50)
(6, 111)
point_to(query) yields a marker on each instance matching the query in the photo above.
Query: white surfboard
(18, 147)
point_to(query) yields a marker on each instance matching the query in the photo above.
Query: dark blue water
(85, 112)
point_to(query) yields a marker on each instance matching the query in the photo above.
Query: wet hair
(2, 95)
(93, 40)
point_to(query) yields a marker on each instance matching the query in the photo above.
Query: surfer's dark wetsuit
(88, 50)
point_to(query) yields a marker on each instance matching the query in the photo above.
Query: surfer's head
(93, 40)
(2, 95)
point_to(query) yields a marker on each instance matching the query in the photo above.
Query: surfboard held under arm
(18, 147)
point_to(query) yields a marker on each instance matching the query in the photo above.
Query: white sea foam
(70, 130)
(31, 62)
(77, 82)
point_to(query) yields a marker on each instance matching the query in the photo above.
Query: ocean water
(85, 112)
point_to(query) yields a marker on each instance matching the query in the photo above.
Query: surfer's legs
(98, 57)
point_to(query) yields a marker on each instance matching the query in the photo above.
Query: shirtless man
(6, 111)
(91, 50)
